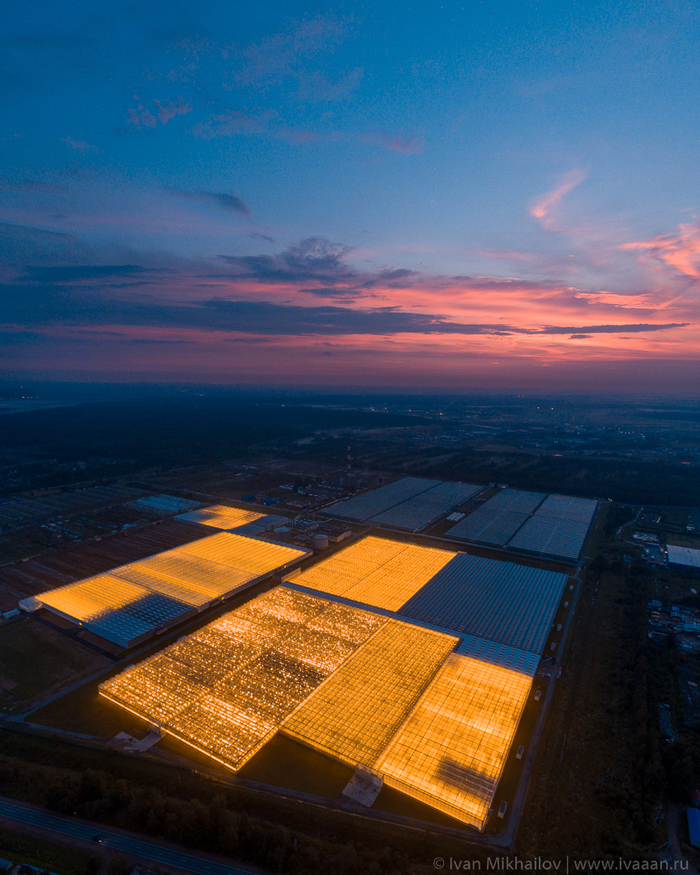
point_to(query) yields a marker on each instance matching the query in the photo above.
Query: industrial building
(364, 689)
(411, 503)
(558, 528)
(683, 557)
(496, 521)
(163, 505)
(127, 605)
(551, 525)
(221, 516)
(226, 689)
(407, 661)
(376, 572)
(533, 522)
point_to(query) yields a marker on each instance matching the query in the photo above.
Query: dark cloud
(346, 294)
(399, 274)
(610, 329)
(262, 237)
(34, 305)
(68, 284)
(20, 245)
(313, 259)
(391, 278)
(148, 341)
(70, 273)
(225, 200)
(263, 317)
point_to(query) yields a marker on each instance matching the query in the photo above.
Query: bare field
(36, 662)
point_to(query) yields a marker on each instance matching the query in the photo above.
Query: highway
(115, 841)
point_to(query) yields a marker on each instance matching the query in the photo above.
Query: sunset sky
(473, 195)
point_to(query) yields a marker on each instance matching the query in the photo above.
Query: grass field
(585, 793)
(287, 763)
(36, 661)
(84, 710)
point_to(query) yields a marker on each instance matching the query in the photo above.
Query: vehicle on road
(538, 695)
(521, 751)
(502, 808)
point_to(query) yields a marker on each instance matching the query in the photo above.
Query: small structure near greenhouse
(694, 826)
(683, 557)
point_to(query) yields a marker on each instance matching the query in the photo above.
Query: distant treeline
(629, 482)
(173, 432)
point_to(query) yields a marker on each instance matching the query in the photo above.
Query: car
(502, 808)
(521, 751)
(97, 839)
(538, 695)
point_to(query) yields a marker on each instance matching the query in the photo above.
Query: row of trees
(212, 821)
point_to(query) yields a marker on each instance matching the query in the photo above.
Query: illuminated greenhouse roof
(220, 516)
(451, 750)
(354, 713)
(225, 689)
(134, 600)
(376, 571)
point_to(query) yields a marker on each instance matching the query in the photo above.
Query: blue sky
(472, 194)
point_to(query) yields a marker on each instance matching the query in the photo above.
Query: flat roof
(221, 516)
(500, 602)
(376, 571)
(118, 610)
(417, 512)
(498, 519)
(410, 503)
(376, 501)
(552, 536)
(488, 526)
(226, 689)
(189, 577)
(683, 556)
(693, 816)
(352, 716)
(566, 507)
(451, 749)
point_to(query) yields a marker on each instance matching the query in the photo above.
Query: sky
(473, 195)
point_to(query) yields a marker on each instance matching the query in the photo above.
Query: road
(674, 814)
(115, 841)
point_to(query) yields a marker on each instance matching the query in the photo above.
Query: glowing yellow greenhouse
(221, 516)
(131, 603)
(451, 750)
(354, 713)
(226, 689)
(376, 571)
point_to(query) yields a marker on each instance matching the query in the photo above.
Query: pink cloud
(233, 122)
(142, 117)
(544, 205)
(680, 251)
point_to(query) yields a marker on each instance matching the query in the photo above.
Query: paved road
(116, 841)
